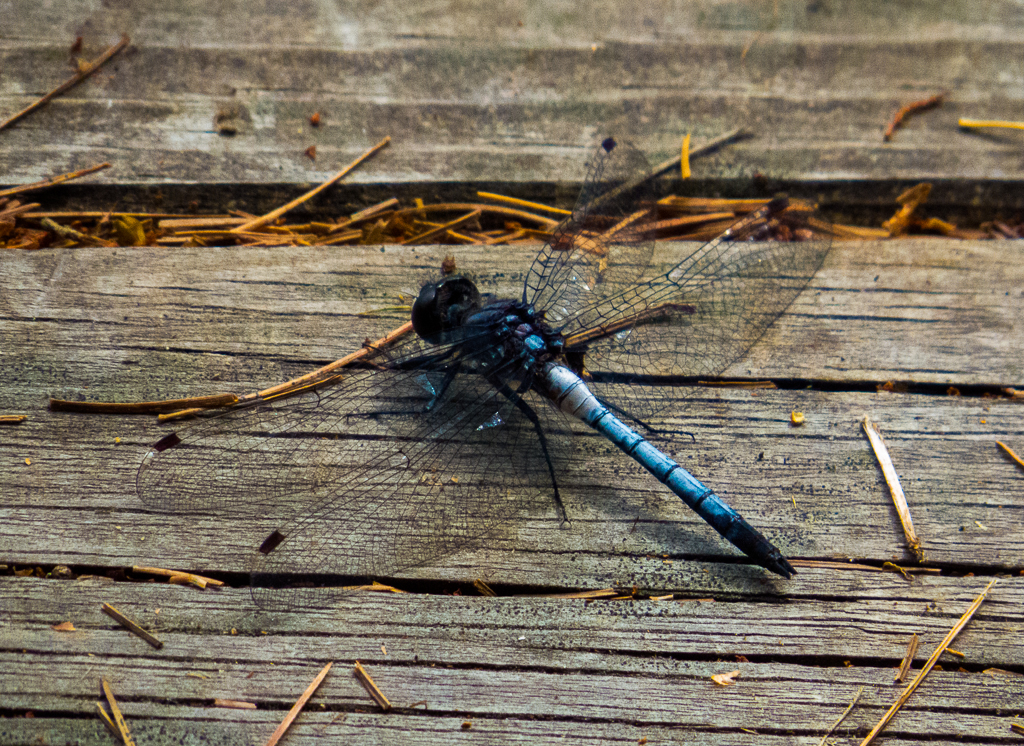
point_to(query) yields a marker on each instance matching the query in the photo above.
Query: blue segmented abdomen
(573, 397)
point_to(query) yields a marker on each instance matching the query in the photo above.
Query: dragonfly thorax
(501, 334)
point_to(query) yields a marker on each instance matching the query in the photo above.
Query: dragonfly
(442, 441)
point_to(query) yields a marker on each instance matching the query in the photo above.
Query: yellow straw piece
(685, 157)
(991, 123)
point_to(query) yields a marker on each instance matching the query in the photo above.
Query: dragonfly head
(443, 305)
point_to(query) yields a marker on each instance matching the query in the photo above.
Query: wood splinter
(131, 626)
(371, 688)
(893, 480)
(118, 722)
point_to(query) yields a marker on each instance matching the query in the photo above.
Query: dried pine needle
(131, 626)
(118, 718)
(908, 658)
(1010, 453)
(978, 123)
(927, 666)
(297, 707)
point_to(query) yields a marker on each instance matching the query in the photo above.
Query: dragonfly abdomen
(573, 397)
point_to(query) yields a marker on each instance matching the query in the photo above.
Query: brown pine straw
(275, 214)
(1010, 453)
(914, 107)
(53, 180)
(180, 577)
(842, 717)
(86, 70)
(947, 640)
(297, 707)
(972, 123)
(233, 704)
(170, 409)
(131, 626)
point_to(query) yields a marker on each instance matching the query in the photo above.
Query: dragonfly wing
(445, 488)
(604, 247)
(705, 313)
(384, 471)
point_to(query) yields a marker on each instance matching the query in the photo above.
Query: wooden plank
(98, 323)
(923, 311)
(817, 492)
(579, 666)
(521, 96)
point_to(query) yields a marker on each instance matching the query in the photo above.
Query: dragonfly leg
(527, 410)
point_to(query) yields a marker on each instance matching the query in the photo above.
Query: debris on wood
(893, 567)
(684, 158)
(740, 384)
(63, 627)
(85, 69)
(314, 119)
(53, 180)
(893, 480)
(979, 123)
(915, 107)
(929, 664)
(131, 626)
(108, 721)
(176, 576)
(375, 587)
(275, 214)
(371, 688)
(483, 588)
(586, 595)
(514, 221)
(908, 658)
(233, 704)
(1011, 454)
(297, 707)
(796, 418)
(1001, 672)
(842, 717)
(115, 711)
(12, 419)
(909, 201)
(725, 679)
(150, 407)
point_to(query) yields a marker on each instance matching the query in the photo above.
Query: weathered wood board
(472, 93)
(521, 669)
(129, 324)
(515, 96)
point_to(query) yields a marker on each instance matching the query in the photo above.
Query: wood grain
(518, 95)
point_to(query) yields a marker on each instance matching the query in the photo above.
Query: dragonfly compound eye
(444, 305)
